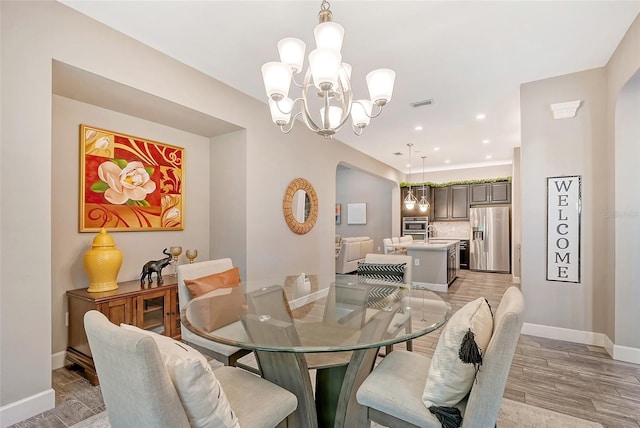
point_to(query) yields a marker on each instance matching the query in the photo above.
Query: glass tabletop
(315, 314)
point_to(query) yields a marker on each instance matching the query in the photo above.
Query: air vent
(416, 104)
(398, 154)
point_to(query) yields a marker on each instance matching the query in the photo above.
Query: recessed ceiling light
(487, 157)
(447, 161)
(481, 116)
(418, 128)
(435, 149)
(486, 141)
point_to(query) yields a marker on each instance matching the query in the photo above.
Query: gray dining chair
(226, 354)
(392, 394)
(138, 391)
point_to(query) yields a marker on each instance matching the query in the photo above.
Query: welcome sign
(564, 200)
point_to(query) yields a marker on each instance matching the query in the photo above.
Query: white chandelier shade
(330, 79)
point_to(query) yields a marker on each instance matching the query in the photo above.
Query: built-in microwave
(415, 227)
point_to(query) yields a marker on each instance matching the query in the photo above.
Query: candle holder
(191, 255)
(175, 252)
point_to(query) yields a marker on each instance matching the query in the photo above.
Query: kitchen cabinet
(154, 308)
(490, 193)
(417, 192)
(451, 203)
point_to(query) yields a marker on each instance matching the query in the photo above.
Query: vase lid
(103, 239)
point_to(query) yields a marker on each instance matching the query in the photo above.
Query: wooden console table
(153, 308)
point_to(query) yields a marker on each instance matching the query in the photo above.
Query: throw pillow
(202, 397)
(386, 272)
(218, 308)
(199, 286)
(458, 357)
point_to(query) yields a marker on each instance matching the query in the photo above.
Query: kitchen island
(435, 264)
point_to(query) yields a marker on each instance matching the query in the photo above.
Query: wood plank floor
(569, 378)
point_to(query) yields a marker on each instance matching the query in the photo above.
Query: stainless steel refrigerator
(489, 242)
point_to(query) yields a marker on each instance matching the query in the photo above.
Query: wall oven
(415, 227)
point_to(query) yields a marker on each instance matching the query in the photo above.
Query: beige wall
(585, 145)
(68, 245)
(34, 34)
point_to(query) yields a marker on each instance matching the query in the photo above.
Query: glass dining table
(334, 324)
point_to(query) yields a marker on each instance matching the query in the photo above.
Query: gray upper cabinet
(459, 202)
(490, 193)
(451, 203)
(417, 192)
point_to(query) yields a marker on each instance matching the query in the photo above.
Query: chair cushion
(199, 286)
(202, 397)
(450, 379)
(389, 272)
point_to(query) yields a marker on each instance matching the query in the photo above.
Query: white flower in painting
(102, 143)
(131, 182)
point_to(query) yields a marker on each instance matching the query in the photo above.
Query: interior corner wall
(353, 186)
(476, 173)
(551, 148)
(516, 214)
(623, 133)
(228, 177)
(68, 245)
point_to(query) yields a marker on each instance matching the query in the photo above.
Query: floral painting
(129, 183)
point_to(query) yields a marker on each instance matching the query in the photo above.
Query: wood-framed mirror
(300, 206)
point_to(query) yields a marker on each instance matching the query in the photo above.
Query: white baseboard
(443, 288)
(20, 410)
(625, 353)
(567, 334)
(617, 352)
(57, 360)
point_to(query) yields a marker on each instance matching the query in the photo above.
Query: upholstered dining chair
(392, 394)
(226, 354)
(401, 320)
(139, 383)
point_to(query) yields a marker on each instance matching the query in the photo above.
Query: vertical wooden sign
(564, 204)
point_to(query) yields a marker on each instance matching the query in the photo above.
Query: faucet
(431, 230)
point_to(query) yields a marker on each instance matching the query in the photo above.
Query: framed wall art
(357, 213)
(129, 183)
(338, 213)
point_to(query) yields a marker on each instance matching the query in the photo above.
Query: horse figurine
(155, 266)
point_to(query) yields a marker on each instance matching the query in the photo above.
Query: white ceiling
(469, 57)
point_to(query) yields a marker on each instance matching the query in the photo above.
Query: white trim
(565, 110)
(566, 334)
(617, 352)
(443, 288)
(626, 353)
(58, 359)
(515, 279)
(20, 410)
(608, 346)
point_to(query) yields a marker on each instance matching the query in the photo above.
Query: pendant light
(423, 205)
(410, 200)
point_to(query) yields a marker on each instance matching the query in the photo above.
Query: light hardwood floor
(574, 379)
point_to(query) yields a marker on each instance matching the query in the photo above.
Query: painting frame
(338, 214)
(357, 213)
(129, 183)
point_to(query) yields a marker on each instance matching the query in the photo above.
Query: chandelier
(423, 204)
(326, 88)
(410, 200)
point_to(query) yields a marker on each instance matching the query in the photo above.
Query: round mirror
(300, 206)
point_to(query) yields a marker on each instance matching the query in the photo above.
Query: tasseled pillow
(456, 361)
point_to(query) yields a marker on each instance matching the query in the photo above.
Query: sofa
(352, 250)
